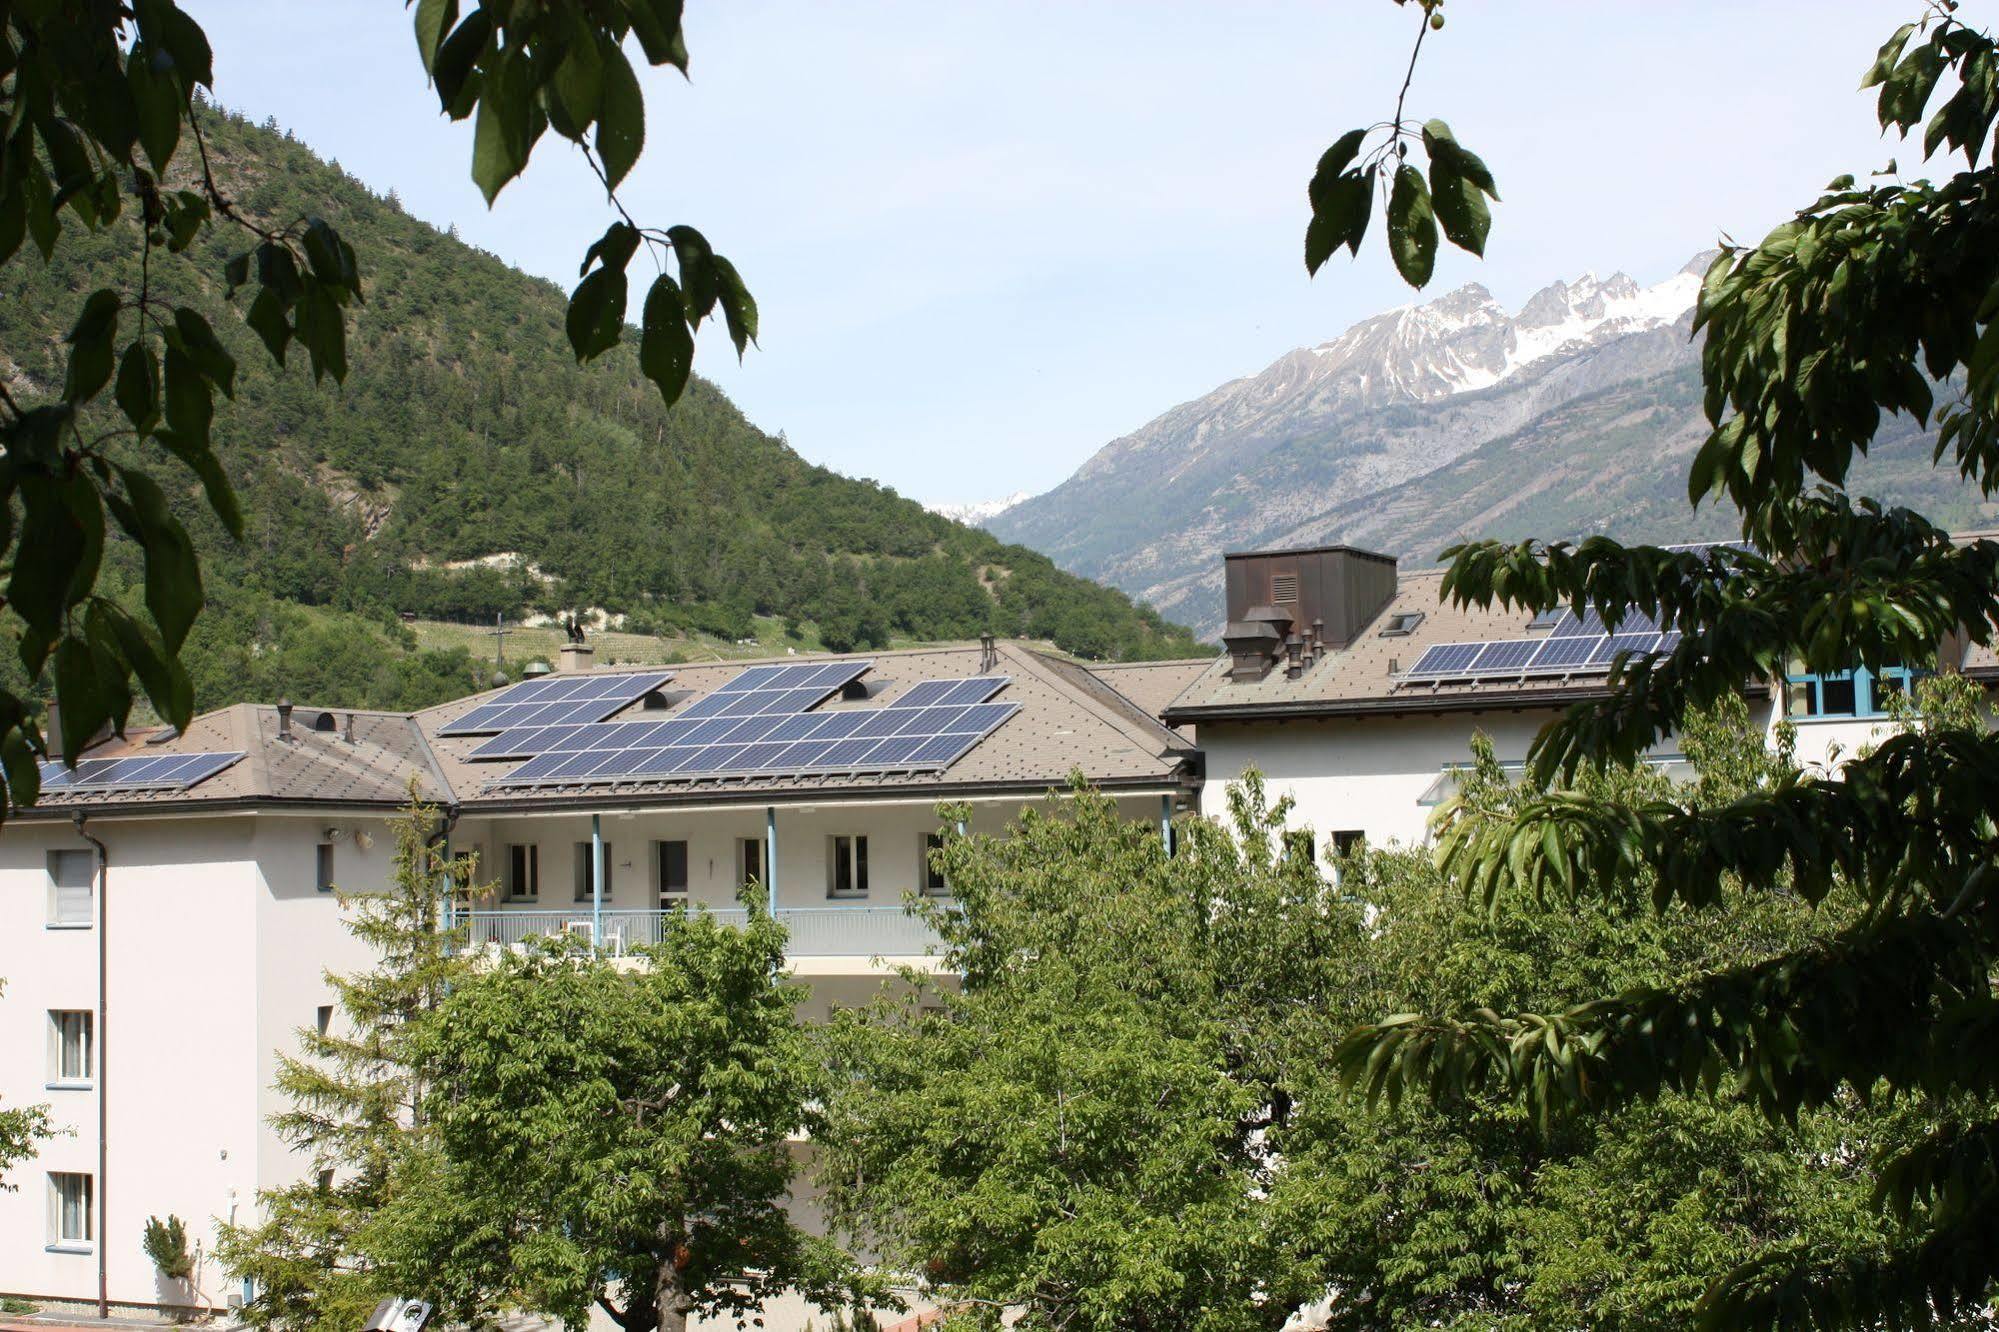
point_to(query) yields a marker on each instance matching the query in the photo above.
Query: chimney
(347, 729)
(1293, 667)
(284, 719)
(1324, 597)
(988, 653)
(54, 728)
(575, 657)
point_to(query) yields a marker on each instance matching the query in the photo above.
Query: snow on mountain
(977, 512)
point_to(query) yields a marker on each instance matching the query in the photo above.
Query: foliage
(1452, 196)
(615, 1136)
(1870, 299)
(22, 1128)
(165, 1243)
(356, 1092)
(1083, 1132)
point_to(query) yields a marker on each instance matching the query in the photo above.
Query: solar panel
(1591, 624)
(556, 700)
(1508, 654)
(174, 772)
(1611, 644)
(1567, 653)
(1445, 659)
(936, 722)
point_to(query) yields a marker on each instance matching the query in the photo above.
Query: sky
(988, 238)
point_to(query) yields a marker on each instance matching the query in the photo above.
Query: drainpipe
(1166, 824)
(439, 842)
(597, 880)
(102, 1069)
(770, 857)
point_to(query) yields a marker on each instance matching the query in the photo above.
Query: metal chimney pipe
(347, 729)
(1292, 648)
(284, 719)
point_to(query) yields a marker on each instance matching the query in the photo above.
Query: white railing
(829, 931)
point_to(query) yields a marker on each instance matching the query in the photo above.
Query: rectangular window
(846, 867)
(326, 1181)
(586, 864)
(72, 1035)
(1855, 693)
(72, 1207)
(323, 1019)
(933, 878)
(524, 872)
(671, 858)
(72, 889)
(323, 867)
(1348, 841)
(1301, 845)
(750, 856)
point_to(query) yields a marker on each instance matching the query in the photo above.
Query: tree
(357, 1095)
(1872, 299)
(101, 102)
(616, 1136)
(1085, 1132)
(21, 1128)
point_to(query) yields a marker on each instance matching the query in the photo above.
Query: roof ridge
(1048, 669)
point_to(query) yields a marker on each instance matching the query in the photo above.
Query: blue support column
(770, 857)
(597, 880)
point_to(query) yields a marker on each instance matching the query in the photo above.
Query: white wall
(1364, 773)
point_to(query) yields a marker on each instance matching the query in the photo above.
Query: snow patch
(977, 511)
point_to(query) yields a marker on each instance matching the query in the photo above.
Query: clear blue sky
(989, 237)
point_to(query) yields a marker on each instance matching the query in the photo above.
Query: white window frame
(670, 896)
(61, 913)
(530, 861)
(72, 1027)
(62, 1211)
(848, 852)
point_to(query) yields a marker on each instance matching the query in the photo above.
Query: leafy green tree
(357, 1094)
(1873, 299)
(104, 110)
(616, 1136)
(1083, 1132)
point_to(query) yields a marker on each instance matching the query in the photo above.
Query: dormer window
(1401, 624)
(1547, 619)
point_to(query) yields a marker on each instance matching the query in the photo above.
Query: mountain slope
(469, 467)
(1416, 428)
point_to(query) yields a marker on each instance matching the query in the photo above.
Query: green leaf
(500, 135)
(1908, 89)
(331, 258)
(434, 18)
(1891, 51)
(35, 590)
(84, 706)
(621, 117)
(322, 327)
(173, 574)
(198, 340)
(138, 389)
(160, 673)
(699, 285)
(656, 23)
(1412, 227)
(666, 344)
(1333, 164)
(90, 346)
(578, 86)
(1339, 217)
(189, 406)
(167, 25)
(267, 320)
(614, 248)
(739, 308)
(456, 59)
(1460, 206)
(1439, 142)
(158, 102)
(596, 314)
(200, 457)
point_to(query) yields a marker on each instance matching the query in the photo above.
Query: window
(323, 867)
(750, 856)
(846, 867)
(322, 1020)
(1856, 693)
(71, 1037)
(586, 864)
(1401, 625)
(524, 872)
(671, 858)
(1348, 841)
(71, 1208)
(1301, 845)
(932, 877)
(72, 883)
(1547, 619)
(326, 1180)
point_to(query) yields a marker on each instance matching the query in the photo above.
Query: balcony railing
(831, 931)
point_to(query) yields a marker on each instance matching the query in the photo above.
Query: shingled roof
(1068, 721)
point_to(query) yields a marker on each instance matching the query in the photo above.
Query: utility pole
(500, 632)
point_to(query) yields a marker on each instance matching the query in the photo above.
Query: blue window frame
(1855, 693)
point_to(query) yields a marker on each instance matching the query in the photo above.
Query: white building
(165, 941)
(1356, 691)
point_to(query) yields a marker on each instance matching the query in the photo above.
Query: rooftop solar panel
(777, 690)
(1441, 659)
(1609, 646)
(1568, 653)
(556, 700)
(1508, 654)
(933, 693)
(174, 772)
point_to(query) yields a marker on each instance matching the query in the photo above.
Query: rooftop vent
(1325, 595)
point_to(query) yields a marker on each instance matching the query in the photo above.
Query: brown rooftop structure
(1068, 720)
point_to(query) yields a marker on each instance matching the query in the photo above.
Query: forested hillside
(466, 430)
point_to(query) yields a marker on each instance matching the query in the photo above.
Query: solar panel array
(146, 772)
(1576, 653)
(761, 723)
(557, 699)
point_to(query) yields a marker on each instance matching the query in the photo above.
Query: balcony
(832, 931)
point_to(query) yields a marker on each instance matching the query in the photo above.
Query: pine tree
(355, 1095)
